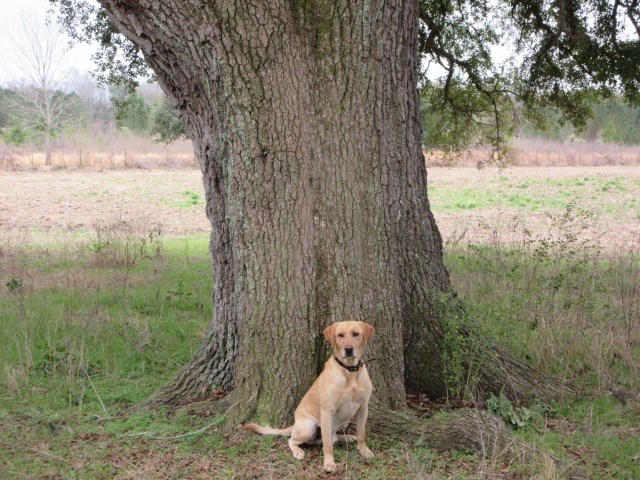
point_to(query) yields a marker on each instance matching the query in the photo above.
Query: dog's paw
(329, 466)
(366, 453)
(297, 452)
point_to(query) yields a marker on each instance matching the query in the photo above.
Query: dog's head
(348, 339)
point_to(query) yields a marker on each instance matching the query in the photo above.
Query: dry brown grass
(537, 152)
(540, 153)
(125, 150)
(117, 150)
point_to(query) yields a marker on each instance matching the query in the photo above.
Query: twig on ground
(96, 392)
(176, 437)
(48, 454)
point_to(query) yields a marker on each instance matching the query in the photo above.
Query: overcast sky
(79, 58)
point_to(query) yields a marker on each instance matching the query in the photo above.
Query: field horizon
(125, 150)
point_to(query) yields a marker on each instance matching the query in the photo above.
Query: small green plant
(192, 198)
(13, 284)
(514, 417)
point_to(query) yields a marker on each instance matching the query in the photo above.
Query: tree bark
(306, 123)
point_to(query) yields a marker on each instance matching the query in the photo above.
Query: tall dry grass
(126, 150)
(538, 152)
(545, 153)
(111, 150)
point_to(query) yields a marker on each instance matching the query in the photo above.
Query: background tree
(8, 114)
(305, 119)
(132, 112)
(165, 122)
(40, 77)
(98, 109)
(610, 115)
(563, 54)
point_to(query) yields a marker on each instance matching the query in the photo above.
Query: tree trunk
(305, 121)
(47, 149)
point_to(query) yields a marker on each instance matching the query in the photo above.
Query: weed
(515, 417)
(462, 350)
(13, 284)
(122, 244)
(192, 198)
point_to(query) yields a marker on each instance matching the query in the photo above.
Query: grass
(189, 199)
(601, 434)
(95, 323)
(598, 195)
(538, 152)
(114, 150)
(575, 317)
(91, 336)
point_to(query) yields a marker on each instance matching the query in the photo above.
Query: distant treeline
(147, 113)
(612, 121)
(90, 110)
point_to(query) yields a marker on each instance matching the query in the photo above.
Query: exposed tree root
(501, 372)
(465, 430)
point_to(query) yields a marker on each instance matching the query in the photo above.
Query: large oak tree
(305, 117)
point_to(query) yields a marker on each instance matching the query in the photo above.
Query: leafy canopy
(560, 54)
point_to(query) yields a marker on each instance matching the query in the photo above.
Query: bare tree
(39, 76)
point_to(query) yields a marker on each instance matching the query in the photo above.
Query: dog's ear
(368, 331)
(330, 334)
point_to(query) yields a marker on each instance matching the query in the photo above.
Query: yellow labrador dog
(340, 392)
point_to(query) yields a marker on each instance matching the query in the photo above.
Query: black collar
(351, 368)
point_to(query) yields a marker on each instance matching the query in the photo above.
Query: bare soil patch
(74, 201)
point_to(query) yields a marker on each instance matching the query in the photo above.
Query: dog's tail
(254, 427)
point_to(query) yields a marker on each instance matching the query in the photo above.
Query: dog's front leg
(326, 426)
(361, 421)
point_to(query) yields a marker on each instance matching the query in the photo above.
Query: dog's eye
(341, 335)
(355, 334)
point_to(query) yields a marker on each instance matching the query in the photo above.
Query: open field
(517, 204)
(105, 291)
(470, 205)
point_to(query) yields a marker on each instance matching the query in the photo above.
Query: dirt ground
(70, 201)
(605, 219)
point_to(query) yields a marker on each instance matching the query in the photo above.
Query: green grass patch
(89, 332)
(188, 199)
(597, 195)
(599, 434)
(565, 310)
